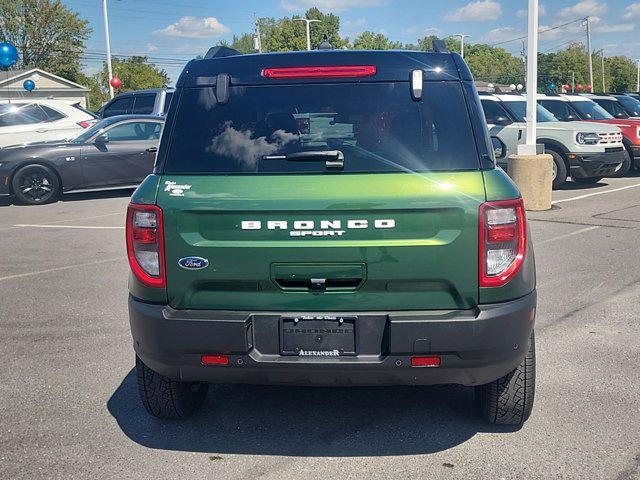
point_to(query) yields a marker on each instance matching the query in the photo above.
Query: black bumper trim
(585, 165)
(476, 346)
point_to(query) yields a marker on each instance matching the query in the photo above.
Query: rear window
(376, 126)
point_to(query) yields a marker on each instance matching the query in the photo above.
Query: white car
(585, 151)
(26, 121)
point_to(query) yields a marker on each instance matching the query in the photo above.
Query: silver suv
(584, 151)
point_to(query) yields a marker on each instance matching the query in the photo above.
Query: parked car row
(601, 140)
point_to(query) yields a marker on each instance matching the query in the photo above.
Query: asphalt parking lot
(69, 406)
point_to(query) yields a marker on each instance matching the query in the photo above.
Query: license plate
(318, 336)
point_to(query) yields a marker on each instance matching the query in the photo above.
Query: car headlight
(587, 138)
(639, 132)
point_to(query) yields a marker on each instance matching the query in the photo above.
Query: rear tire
(559, 169)
(625, 167)
(35, 184)
(165, 398)
(509, 399)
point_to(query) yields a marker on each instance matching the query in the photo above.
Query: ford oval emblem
(193, 263)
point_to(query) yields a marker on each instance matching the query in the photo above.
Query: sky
(171, 32)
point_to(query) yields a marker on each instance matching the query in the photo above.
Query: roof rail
(221, 51)
(439, 46)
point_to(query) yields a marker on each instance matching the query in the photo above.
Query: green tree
(136, 73)
(621, 73)
(374, 41)
(243, 43)
(285, 34)
(47, 33)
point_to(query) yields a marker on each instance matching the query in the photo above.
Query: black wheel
(624, 167)
(559, 169)
(587, 180)
(35, 184)
(509, 400)
(165, 398)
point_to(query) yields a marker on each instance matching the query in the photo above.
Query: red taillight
(145, 244)
(347, 71)
(86, 123)
(502, 241)
(425, 361)
(214, 360)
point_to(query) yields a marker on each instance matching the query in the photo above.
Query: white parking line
(66, 267)
(90, 227)
(566, 235)
(595, 193)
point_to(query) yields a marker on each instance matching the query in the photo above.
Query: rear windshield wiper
(332, 158)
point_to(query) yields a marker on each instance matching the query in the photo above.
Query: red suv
(580, 107)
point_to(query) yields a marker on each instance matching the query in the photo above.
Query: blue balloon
(29, 85)
(8, 55)
(552, 86)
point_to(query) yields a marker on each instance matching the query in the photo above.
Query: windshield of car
(591, 110)
(377, 127)
(630, 104)
(518, 109)
(613, 107)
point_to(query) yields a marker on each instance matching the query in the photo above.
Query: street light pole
(638, 77)
(604, 87)
(462, 37)
(106, 34)
(529, 148)
(308, 22)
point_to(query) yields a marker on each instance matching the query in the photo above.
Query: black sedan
(115, 152)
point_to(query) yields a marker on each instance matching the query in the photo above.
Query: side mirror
(504, 121)
(102, 139)
(621, 115)
(570, 118)
(498, 147)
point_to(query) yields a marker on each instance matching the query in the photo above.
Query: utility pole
(573, 82)
(588, 19)
(308, 22)
(638, 76)
(604, 86)
(257, 40)
(462, 37)
(523, 53)
(529, 148)
(106, 34)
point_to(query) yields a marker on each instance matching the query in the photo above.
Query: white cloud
(524, 13)
(355, 23)
(632, 11)
(476, 11)
(326, 5)
(194, 27)
(583, 8)
(616, 28)
(501, 34)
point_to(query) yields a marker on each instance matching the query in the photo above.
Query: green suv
(330, 218)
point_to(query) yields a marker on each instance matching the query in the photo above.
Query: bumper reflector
(425, 361)
(214, 360)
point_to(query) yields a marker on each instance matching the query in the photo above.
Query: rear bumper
(585, 165)
(476, 346)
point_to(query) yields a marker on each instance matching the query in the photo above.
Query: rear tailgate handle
(318, 278)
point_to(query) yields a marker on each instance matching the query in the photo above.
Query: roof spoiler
(439, 46)
(221, 51)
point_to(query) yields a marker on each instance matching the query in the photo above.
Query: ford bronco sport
(585, 151)
(330, 218)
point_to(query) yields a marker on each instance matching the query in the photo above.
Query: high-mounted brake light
(145, 244)
(502, 241)
(344, 71)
